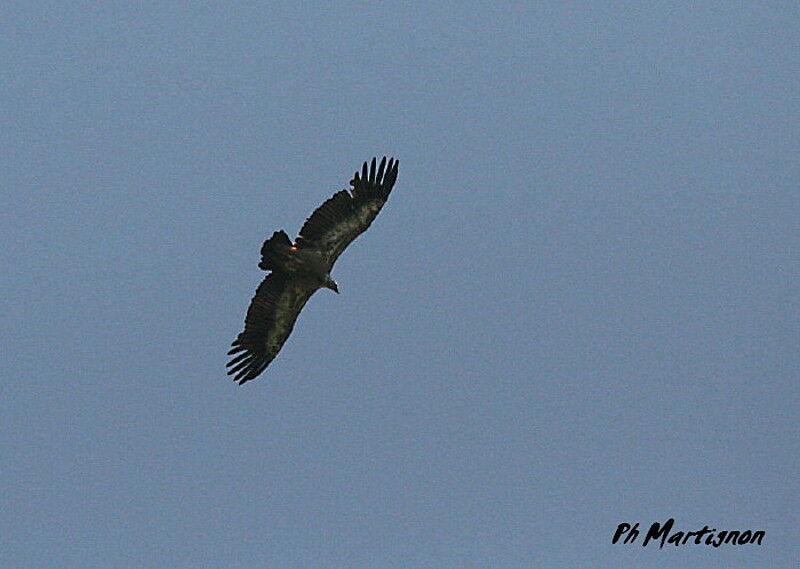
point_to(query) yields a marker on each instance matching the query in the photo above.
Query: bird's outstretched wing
(347, 214)
(269, 321)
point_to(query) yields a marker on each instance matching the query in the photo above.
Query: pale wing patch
(338, 238)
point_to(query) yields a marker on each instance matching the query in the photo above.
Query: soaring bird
(301, 268)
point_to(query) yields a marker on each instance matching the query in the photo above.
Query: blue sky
(579, 307)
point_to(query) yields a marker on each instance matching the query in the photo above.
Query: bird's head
(331, 284)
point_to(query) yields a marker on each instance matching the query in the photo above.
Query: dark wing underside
(347, 214)
(269, 321)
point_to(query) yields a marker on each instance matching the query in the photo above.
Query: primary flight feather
(301, 268)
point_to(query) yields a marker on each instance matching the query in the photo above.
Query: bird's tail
(271, 250)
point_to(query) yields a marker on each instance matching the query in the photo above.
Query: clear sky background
(579, 307)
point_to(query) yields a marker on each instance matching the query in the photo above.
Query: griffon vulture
(301, 268)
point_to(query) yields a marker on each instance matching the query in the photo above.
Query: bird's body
(301, 268)
(291, 260)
